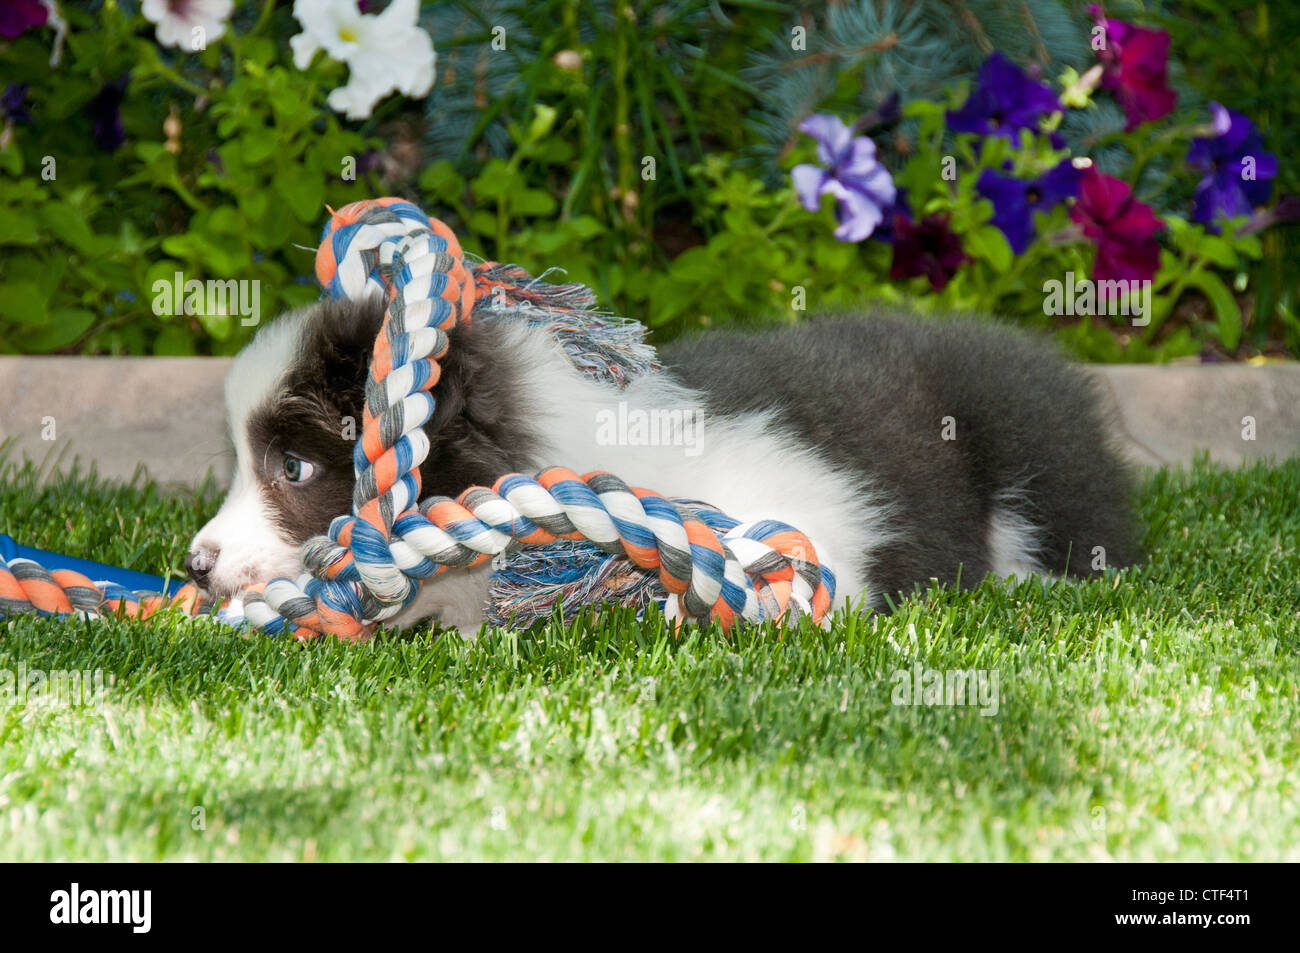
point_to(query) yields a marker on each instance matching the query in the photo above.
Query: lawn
(1150, 717)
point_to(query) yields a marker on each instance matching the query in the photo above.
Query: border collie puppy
(906, 449)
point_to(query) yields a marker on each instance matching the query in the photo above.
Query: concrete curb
(1166, 414)
(167, 414)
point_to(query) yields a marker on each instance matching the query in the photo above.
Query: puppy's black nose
(200, 563)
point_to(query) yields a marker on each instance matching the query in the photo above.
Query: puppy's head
(294, 400)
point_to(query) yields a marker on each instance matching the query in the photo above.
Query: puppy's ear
(347, 332)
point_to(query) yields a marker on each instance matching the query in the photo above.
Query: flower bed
(648, 149)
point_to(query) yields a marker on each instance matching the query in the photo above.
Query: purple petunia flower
(1227, 158)
(12, 105)
(886, 114)
(106, 116)
(1016, 200)
(19, 16)
(1005, 100)
(863, 188)
(901, 208)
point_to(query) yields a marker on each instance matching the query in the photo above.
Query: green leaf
(585, 226)
(694, 265)
(1225, 306)
(174, 341)
(533, 202)
(442, 181)
(23, 302)
(669, 301)
(48, 274)
(255, 149)
(225, 220)
(919, 108)
(254, 204)
(497, 179)
(258, 49)
(17, 228)
(1219, 251)
(130, 240)
(736, 285)
(218, 325)
(151, 152)
(297, 296)
(69, 225)
(1249, 245)
(548, 242)
(302, 191)
(65, 326)
(11, 161)
(483, 222)
(836, 256)
(989, 243)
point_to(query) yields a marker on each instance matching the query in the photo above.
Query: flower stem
(1151, 148)
(1175, 291)
(622, 112)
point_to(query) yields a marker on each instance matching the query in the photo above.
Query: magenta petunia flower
(1122, 228)
(1136, 69)
(929, 248)
(862, 187)
(19, 16)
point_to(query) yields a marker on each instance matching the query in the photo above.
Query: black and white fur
(836, 426)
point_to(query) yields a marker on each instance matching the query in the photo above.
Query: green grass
(1150, 717)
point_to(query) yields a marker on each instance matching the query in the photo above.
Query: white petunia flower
(334, 26)
(384, 52)
(178, 19)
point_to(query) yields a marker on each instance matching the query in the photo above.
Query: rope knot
(390, 247)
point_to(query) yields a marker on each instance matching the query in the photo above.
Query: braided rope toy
(695, 561)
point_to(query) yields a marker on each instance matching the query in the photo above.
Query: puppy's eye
(297, 470)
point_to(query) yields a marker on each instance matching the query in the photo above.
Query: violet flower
(1005, 100)
(12, 104)
(862, 187)
(901, 208)
(1016, 200)
(1238, 172)
(106, 115)
(887, 114)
